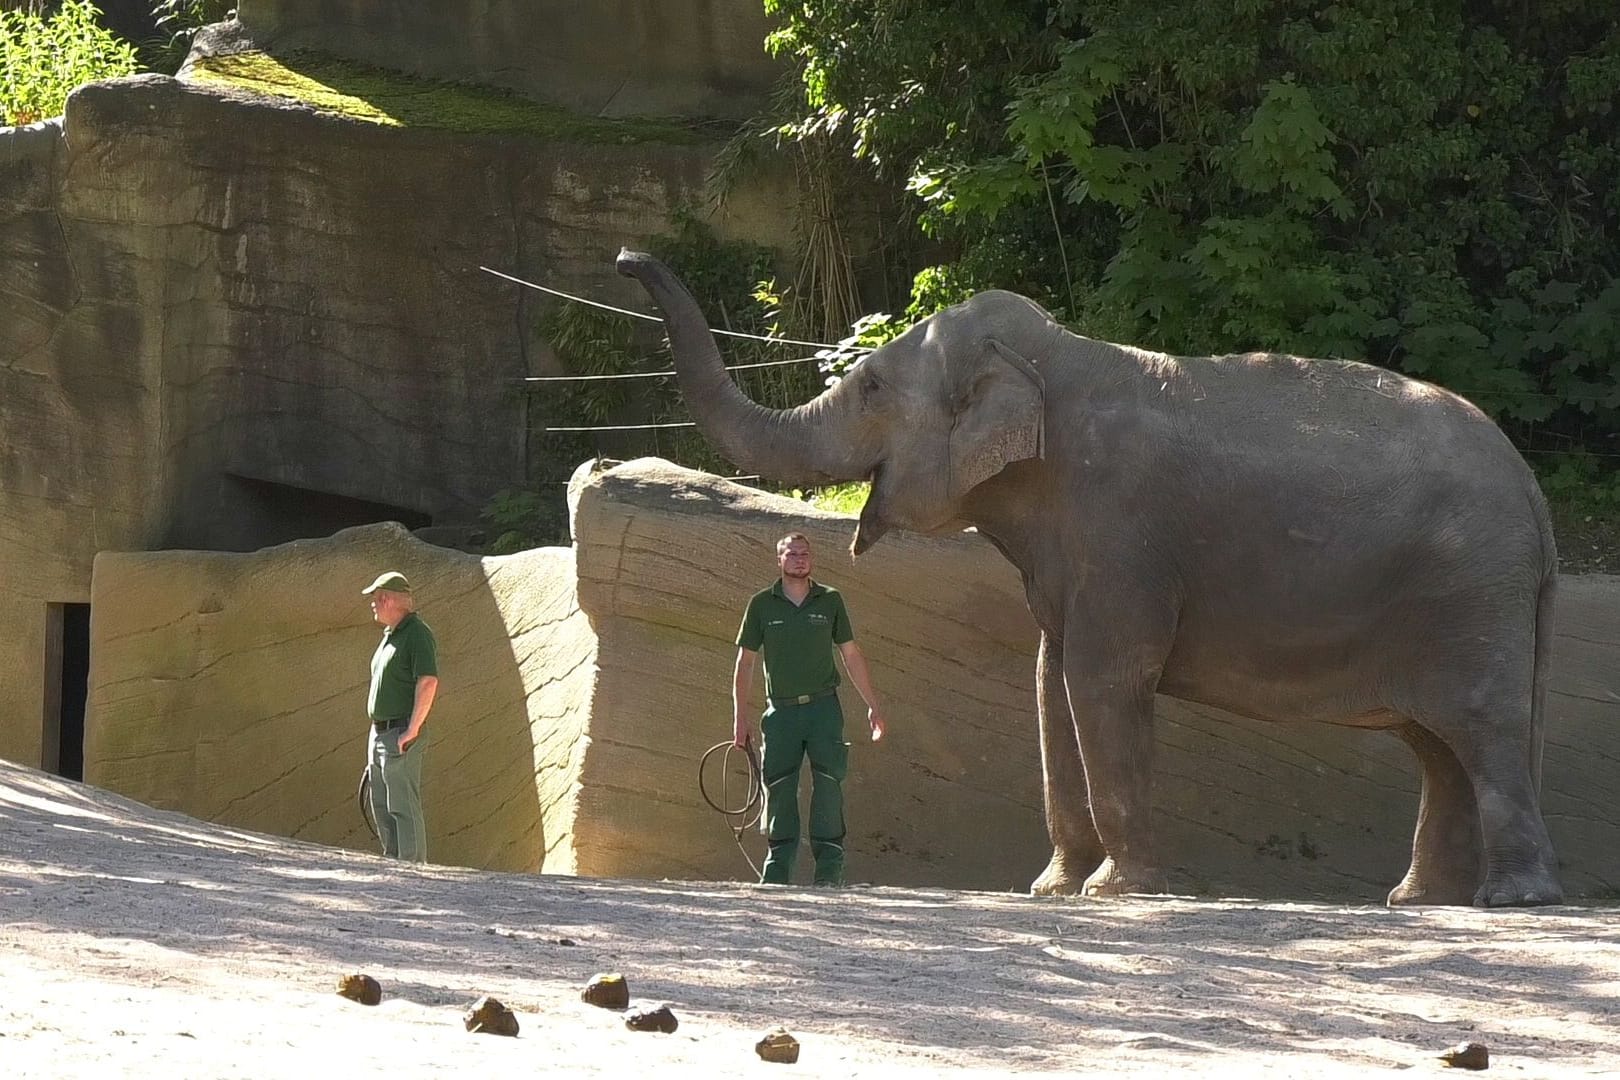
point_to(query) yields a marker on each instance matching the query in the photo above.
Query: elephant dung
(489, 1017)
(607, 991)
(1468, 1055)
(659, 1018)
(778, 1046)
(361, 988)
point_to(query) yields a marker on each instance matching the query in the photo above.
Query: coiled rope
(739, 819)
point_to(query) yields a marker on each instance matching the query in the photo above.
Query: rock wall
(227, 321)
(613, 58)
(78, 419)
(309, 290)
(233, 687)
(627, 640)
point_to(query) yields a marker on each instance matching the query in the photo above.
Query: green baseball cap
(388, 581)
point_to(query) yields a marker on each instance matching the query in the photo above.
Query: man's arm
(427, 687)
(742, 681)
(855, 664)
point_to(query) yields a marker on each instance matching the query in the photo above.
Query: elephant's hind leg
(1076, 849)
(1447, 855)
(1486, 722)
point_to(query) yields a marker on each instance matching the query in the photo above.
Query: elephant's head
(927, 417)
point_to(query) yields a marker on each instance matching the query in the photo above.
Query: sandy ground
(137, 943)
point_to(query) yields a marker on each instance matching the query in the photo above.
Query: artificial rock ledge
(580, 687)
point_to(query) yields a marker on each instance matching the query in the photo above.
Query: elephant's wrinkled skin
(1284, 538)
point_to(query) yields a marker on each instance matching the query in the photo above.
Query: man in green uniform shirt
(795, 625)
(404, 681)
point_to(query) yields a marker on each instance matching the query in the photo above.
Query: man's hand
(742, 732)
(874, 717)
(410, 736)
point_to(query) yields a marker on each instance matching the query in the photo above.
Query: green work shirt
(406, 653)
(796, 639)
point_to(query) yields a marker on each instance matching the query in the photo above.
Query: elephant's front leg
(1076, 848)
(1111, 673)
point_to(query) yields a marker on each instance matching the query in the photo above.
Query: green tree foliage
(1429, 185)
(44, 57)
(177, 22)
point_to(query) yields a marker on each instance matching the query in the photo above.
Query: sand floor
(138, 942)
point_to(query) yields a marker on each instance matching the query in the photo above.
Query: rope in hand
(745, 817)
(363, 794)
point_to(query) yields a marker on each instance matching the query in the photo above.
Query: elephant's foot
(1529, 888)
(1415, 890)
(1111, 879)
(1060, 878)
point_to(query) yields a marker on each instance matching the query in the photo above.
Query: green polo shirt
(406, 653)
(796, 639)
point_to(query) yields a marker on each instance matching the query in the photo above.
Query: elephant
(1287, 539)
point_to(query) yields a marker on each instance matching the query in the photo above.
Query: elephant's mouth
(867, 533)
(872, 527)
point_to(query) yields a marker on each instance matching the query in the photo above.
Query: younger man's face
(795, 559)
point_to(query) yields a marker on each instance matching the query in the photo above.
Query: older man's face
(387, 607)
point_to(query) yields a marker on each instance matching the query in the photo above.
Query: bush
(1428, 185)
(43, 59)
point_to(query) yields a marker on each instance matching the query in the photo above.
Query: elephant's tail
(1543, 661)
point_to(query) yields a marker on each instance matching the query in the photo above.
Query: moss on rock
(378, 96)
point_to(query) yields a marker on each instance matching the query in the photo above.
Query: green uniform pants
(792, 733)
(396, 795)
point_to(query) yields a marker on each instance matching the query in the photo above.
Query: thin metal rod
(654, 318)
(747, 476)
(623, 427)
(660, 374)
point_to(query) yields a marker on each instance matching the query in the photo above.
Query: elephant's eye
(870, 384)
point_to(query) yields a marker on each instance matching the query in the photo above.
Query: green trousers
(396, 795)
(792, 733)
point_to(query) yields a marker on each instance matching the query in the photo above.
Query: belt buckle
(803, 699)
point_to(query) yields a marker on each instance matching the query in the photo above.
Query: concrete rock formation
(618, 58)
(231, 687)
(229, 320)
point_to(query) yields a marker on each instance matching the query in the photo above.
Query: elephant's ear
(999, 405)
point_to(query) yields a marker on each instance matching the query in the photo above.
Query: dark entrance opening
(67, 684)
(258, 513)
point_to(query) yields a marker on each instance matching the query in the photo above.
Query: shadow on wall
(232, 687)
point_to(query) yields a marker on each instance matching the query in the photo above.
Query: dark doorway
(67, 684)
(257, 513)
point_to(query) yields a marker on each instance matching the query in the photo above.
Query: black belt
(803, 699)
(390, 725)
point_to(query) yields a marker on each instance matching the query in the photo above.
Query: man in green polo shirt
(794, 626)
(404, 682)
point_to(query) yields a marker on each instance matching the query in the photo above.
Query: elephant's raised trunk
(812, 444)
